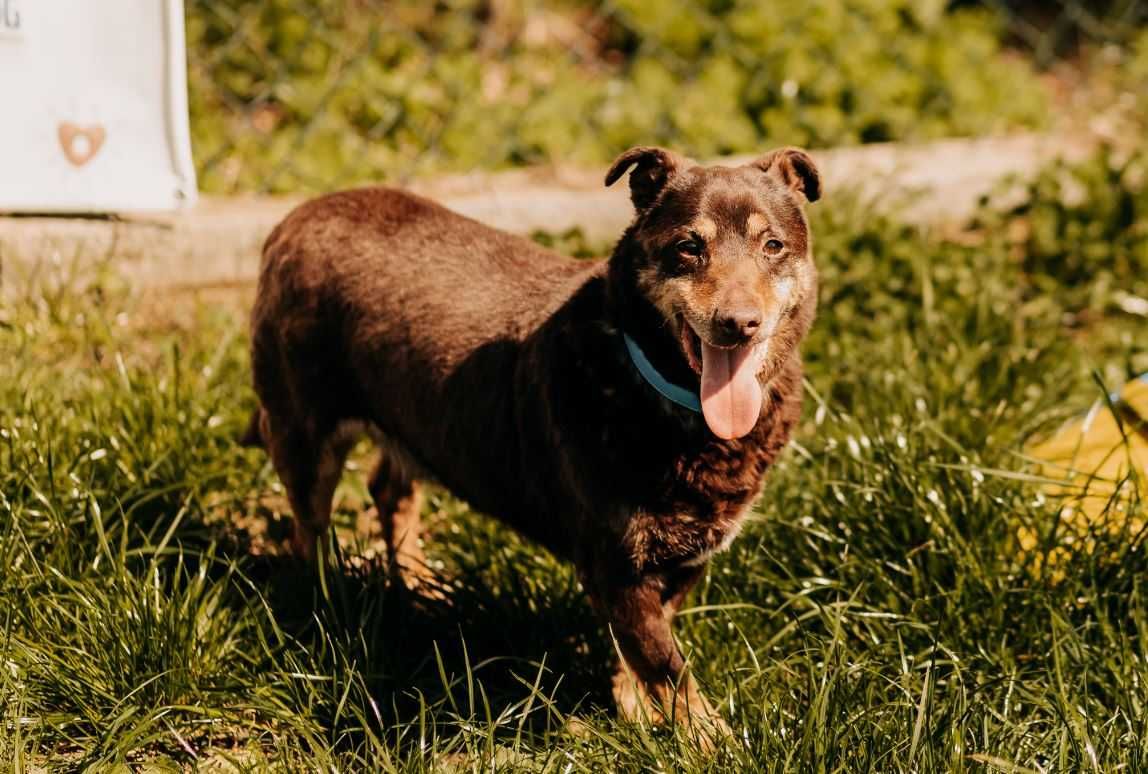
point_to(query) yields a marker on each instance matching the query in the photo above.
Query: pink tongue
(731, 395)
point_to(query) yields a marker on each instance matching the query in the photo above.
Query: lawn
(907, 597)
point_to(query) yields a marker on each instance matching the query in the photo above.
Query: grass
(878, 614)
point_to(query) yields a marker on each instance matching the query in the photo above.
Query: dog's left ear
(654, 167)
(795, 168)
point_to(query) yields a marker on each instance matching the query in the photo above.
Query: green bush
(288, 95)
(1082, 231)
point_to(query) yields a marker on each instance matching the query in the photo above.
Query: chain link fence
(307, 95)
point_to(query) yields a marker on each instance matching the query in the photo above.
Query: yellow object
(1091, 458)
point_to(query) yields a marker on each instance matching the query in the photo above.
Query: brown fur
(495, 366)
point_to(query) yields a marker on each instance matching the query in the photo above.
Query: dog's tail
(253, 435)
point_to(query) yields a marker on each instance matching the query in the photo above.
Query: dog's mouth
(731, 395)
(691, 345)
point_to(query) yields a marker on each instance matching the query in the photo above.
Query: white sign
(11, 19)
(93, 106)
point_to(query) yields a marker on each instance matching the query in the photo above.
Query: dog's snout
(739, 323)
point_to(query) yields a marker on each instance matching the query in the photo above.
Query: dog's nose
(739, 323)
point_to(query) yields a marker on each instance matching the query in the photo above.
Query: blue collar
(667, 389)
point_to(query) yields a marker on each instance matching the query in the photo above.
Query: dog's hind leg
(253, 435)
(309, 463)
(398, 498)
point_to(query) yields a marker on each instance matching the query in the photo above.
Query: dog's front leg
(653, 681)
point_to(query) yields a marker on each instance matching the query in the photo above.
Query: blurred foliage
(1137, 73)
(572, 242)
(1057, 29)
(292, 95)
(1081, 231)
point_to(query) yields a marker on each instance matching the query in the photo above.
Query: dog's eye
(774, 246)
(690, 247)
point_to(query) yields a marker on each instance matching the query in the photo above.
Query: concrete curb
(218, 242)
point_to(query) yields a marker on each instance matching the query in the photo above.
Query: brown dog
(534, 386)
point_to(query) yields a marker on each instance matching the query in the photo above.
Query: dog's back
(379, 306)
(419, 271)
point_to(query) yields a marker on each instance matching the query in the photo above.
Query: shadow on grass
(362, 656)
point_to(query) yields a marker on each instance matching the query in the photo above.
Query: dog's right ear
(654, 167)
(795, 168)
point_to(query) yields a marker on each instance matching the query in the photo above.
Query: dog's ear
(795, 168)
(654, 167)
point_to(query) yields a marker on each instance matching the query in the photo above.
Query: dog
(621, 413)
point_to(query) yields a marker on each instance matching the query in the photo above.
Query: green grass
(878, 614)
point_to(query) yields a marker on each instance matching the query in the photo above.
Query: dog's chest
(698, 515)
(680, 537)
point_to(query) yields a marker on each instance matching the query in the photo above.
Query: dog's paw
(423, 582)
(710, 731)
(685, 707)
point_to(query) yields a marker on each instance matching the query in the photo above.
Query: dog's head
(724, 255)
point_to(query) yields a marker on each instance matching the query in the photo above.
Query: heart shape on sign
(81, 143)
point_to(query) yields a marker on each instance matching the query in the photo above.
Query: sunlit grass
(879, 613)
